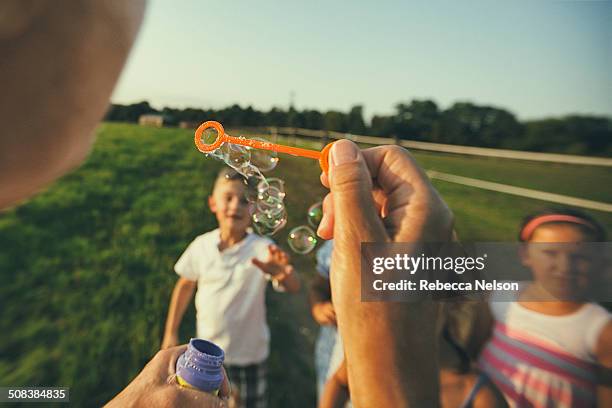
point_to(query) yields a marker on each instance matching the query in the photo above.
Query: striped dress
(538, 360)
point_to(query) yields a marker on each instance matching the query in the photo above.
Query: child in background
(460, 385)
(549, 346)
(231, 268)
(329, 353)
(323, 312)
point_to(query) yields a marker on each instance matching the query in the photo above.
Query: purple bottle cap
(200, 365)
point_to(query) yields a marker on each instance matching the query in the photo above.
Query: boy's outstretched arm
(181, 296)
(279, 269)
(288, 280)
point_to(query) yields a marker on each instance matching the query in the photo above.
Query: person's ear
(212, 204)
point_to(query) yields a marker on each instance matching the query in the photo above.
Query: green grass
(87, 265)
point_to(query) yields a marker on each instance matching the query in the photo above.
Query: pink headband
(537, 221)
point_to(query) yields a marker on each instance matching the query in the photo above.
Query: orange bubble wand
(222, 137)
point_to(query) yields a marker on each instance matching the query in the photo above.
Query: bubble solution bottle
(200, 366)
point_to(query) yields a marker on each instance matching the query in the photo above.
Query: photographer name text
(425, 285)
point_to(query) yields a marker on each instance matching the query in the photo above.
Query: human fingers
(330, 315)
(186, 397)
(272, 251)
(261, 265)
(333, 309)
(324, 180)
(326, 226)
(277, 255)
(414, 210)
(226, 388)
(377, 194)
(326, 320)
(319, 313)
(281, 256)
(171, 355)
(350, 182)
(322, 320)
(380, 200)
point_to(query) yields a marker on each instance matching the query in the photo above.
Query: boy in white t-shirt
(231, 268)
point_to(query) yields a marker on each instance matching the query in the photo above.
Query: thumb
(350, 182)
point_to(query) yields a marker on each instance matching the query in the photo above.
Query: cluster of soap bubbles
(267, 194)
(302, 239)
(270, 214)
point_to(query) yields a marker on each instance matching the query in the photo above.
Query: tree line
(463, 123)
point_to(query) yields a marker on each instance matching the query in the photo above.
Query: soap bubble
(269, 214)
(265, 160)
(315, 214)
(220, 153)
(251, 188)
(302, 239)
(268, 224)
(271, 186)
(270, 220)
(271, 205)
(248, 171)
(271, 195)
(263, 229)
(237, 156)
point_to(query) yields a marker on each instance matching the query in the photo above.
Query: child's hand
(277, 263)
(324, 313)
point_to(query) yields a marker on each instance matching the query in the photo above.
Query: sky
(534, 58)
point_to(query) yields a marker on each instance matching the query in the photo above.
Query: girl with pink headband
(549, 346)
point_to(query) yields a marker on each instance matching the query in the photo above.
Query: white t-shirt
(230, 300)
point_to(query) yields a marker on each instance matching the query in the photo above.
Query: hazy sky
(534, 58)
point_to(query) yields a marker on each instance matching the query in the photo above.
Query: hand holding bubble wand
(223, 137)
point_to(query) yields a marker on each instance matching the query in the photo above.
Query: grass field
(87, 265)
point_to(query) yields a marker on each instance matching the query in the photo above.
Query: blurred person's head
(555, 254)
(229, 203)
(49, 110)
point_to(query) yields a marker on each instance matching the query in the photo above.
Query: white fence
(446, 148)
(474, 151)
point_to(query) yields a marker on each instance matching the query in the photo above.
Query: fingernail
(344, 151)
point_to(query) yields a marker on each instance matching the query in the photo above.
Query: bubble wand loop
(222, 137)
